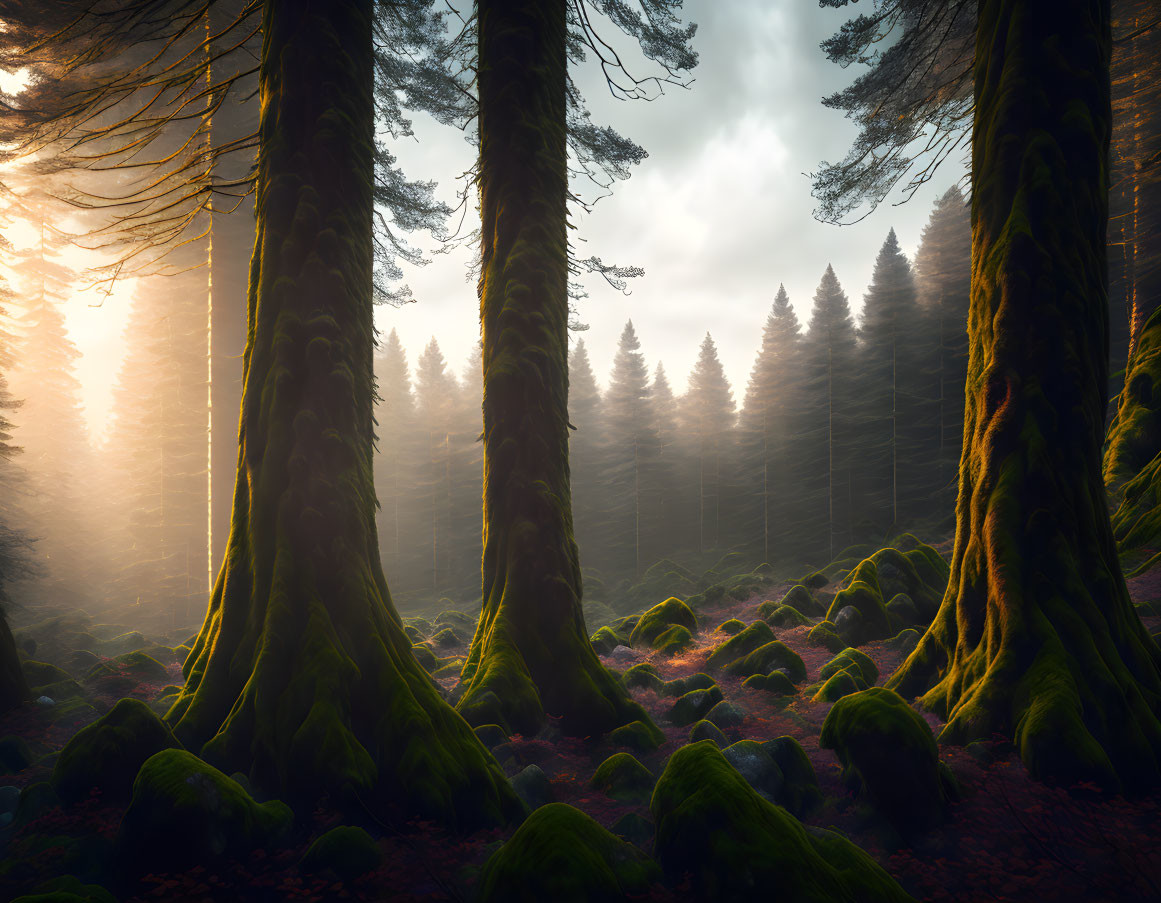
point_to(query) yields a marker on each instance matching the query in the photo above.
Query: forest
(825, 568)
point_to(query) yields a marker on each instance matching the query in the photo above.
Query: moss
(108, 753)
(659, 619)
(799, 793)
(851, 657)
(840, 684)
(817, 580)
(799, 598)
(15, 754)
(774, 682)
(679, 686)
(561, 854)
(638, 735)
(67, 889)
(734, 845)
(136, 666)
(447, 637)
(889, 756)
(707, 730)
(785, 616)
(414, 634)
(606, 640)
(623, 778)
(643, 675)
(448, 667)
(348, 852)
(452, 618)
(732, 627)
(905, 640)
(738, 647)
(725, 714)
(694, 706)
(425, 656)
(768, 657)
(824, 635)
(673, 641)
(39, 674)
(184, 812)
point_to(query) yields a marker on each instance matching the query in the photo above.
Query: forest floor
(1008, 838)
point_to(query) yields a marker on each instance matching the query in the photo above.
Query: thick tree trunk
(531, 653)
(1036, 637)
(301, 675)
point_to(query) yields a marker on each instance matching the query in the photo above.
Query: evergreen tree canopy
(708, 416)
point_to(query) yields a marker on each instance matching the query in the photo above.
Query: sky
(718, 214)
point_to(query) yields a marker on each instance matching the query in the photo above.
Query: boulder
(347, 852)
(658, 619)
(738, 647)
(533, 787)
(622, 777)
(694, 705)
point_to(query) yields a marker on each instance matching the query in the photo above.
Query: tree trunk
(301, 676)
(13, 686)
(1036, 637)
(530, 654)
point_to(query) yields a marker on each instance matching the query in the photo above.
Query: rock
(757, 766)
(633, 828)
(776, 681)
(905, 641)
(622, 777)
(889, 757)
(838, 685)
(674, 640)
(452, 618)
(606, 640)
(694, 705)
(532, 786)
(707, 730)
(736, 846)
(817, 580)
(643, 675)
(81, 661)
(785, 616)
(45, 701)
(682, 685)
(848, 624)
(799, 599)
(560, 854)
(15, 754)
(9, 799)
(823, 634)
(738, 647)
(425, 656)
(622, 653)
(413, 634)
(447, 637)
(768, 657)
(799, 792)
(725, 714)
(658, 619)
(637, 735)
(903, 610)
(348, 852)
(39, 674)
(491, 735)
(108, 753)
(848, 659)
(184, 812)
(731, 627)
(35, 801)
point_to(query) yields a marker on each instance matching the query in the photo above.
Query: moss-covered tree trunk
(1036, 637)
(301, 676)
(13, 686)
(530, 654)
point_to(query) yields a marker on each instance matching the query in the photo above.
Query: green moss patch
(731, 627)
(694, 705)
(851, 658)
(679, 686)
(768, 657)
(738, 647)
(638, 735)
(673, 641)
(774, 682)
(838, 685)
(824, 635)
(799, 792)
(348, 852)
(643, 675)
(561, 854)
(622, 777)
(606, 640)
(659, 619)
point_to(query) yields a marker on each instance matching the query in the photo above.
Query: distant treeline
(847, 433)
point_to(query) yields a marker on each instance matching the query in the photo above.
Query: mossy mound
(725, 714)
(754, 763)
(67, 889)
(128, 669)
(889, 756)
(606, 640)
(694, 705)
(348, 852)
(643, 675)
(622, 777)
(785, 616)
(40, 674)
(679, 686)
(184, 812)
(1134, 435)
(108, 753)
(774, 682)
(447, 637)
(732, 627)
(448, 667)
(452, 618)
(768, 657)
(905, 640)
(673, 641)
(838, 685)
(707, 730)
(638, 735)
(799, 792)
(35, 801)
(414, 634)
(426, 657)
(920, 574)
(657, 620)
(738, 647)
(561, 854)
(824, 635)
(798, 598)
(1137, 520)
(737, 846)
(851, 658)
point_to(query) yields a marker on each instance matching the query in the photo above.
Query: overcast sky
(718, 214)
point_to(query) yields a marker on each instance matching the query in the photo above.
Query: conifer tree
(394, 464)
(943, 266)
(436, 396)
(828, 365)
(771, 414)
(586, 443)
(663, 533)
(890, 468)
(707, 412)
(467, 475)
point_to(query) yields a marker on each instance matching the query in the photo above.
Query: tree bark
(1036, 637)
(530, 654)
(301, 676)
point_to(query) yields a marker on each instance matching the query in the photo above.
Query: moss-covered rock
(414, 634)
(754, 763)
(725, 714)
(738, 647)
(15, 754)
(67, 889)
(39, 674)
(905, 640)
(903, 611)
(448, 667)
(889, 756)
(623, 778)
(673, 641)
(817, 580)
(35, 800)
(459, 620)
(125, 671)
(447, 637)
(184, 812)
(799, 792)
(425, 656)
(737, 846)
(798, 598)
(561, 854)
(634, 828)
(824, 635)
(491, 735)
(108, 753)
(732, 627)
(768, 657)
(606, 640)
(785, 616)
(679, 686)
(533, 787)
(694, 705)
(349, 852)
(643, 675)
(840, 684)
(637, 735)
(658, 619)
(707, 730)
(847, 659)
(775, 682)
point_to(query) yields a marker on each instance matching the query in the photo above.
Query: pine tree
(829, 360)
(707, 413)
(436, 396)
(889, 471)
(943, 266)
(663, 534)
(771, 415)
(467, 476)
(393, 464)
(586, 445)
